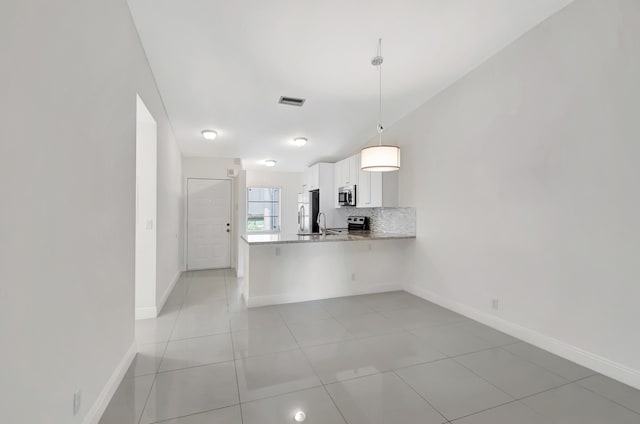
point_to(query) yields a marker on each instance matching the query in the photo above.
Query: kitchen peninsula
(281, 268)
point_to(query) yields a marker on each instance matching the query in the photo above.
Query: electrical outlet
(495, 304)
(353, 277)
(277, 251)
(77, 402)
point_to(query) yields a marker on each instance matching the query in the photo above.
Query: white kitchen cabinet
(305, 181)
(312, 177)
(373, 189)
(376, 189)
(354, 169)
(319, 176)
(368, 191)
(346, 171)
(338, 172)
(338, 180)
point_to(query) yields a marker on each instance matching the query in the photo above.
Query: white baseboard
(278, 299)
(97, 409)
(565, 350)
(146, 312)
(167, 292)
(153, 311)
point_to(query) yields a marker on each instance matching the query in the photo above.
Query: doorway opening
(146, 183)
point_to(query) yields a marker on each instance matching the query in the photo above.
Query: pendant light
(380, 158)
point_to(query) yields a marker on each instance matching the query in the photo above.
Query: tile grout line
(540, 366)
(421, 397)
(393, 370)
(518, 400)
(489, 409)
(195, 413)
(603, 396)
(324, 386)
(155, 377)
(286, 325)
(233, 352)
(304, 354)
(402, 330)
(565, 383)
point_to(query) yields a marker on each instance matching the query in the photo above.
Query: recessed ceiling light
(270, 163)
(209, 134)
(300, 416)
(299, 141)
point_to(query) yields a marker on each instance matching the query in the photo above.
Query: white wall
(290, 184)
(69, 77)
(525, 178)
(240, 213)
(146, 212)
(214, 168)
(169, 227)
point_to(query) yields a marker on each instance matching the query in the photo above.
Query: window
(263, 210)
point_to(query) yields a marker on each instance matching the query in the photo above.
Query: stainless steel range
(358, 223)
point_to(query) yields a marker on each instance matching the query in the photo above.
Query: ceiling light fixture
(270, 163)
(209, 134)
(380, 158)
(299, 416)
(300, 141)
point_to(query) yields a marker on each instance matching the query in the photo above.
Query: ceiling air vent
(291, 101)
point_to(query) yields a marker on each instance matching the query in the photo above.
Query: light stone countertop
(254, 239)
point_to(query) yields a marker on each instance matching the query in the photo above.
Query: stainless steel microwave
(347, 196)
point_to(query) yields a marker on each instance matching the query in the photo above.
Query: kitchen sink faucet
(323, 230)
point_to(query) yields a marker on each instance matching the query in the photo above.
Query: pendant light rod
(377, 62)
(380, 158)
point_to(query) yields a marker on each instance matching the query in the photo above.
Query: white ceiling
(223, 64)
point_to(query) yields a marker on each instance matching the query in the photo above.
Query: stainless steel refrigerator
(308, 209)
(304, 212)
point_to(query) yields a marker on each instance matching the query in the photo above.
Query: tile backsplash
(384, 220)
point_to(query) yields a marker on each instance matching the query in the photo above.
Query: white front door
(208, 223)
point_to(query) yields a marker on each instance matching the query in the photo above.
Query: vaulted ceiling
(223, 64)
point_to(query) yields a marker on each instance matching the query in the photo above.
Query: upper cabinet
(369, 190)
(317, 176)
(312, 177)
(375, 189)
(346, 171)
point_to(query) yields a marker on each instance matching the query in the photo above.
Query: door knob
(228, 230)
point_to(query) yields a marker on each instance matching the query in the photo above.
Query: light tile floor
(379, 358)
